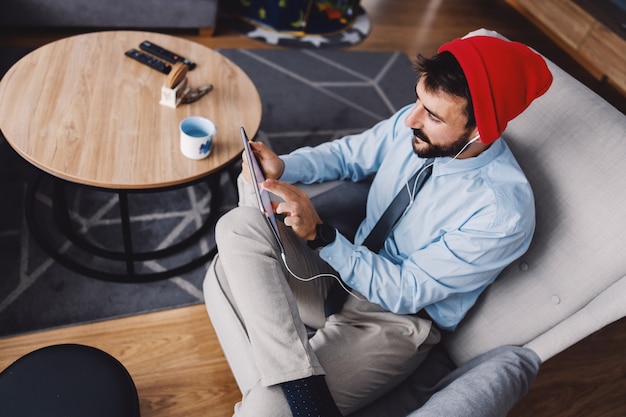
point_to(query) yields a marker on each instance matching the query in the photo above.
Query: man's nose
(414, 118)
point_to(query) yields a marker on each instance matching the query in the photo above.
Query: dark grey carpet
(308, 98)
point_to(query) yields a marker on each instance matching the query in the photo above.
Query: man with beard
(461, 225)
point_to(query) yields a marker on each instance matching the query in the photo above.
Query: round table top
(81, 110)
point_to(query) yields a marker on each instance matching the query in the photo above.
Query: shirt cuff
(336, 254)
(292, 172)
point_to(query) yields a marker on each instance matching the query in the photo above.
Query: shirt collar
(449, 165)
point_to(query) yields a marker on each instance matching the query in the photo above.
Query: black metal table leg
(126, 233)
(128, 256)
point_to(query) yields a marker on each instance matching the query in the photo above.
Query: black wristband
(325, 234)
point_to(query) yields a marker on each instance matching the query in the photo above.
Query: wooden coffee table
(83, 112)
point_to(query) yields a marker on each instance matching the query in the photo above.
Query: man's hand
(299, 212)
(271, 165)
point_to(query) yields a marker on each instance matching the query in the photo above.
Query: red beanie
(504, 78)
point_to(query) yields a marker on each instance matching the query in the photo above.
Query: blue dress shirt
(470, 220)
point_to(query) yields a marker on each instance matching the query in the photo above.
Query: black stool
(70, 381)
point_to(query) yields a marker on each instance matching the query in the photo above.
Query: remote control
(163, 53)
(150, 61)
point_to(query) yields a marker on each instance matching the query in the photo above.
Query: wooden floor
(174, 356)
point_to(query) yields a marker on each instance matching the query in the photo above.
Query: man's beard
(436, 151)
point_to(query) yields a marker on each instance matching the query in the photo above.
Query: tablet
(263, 197)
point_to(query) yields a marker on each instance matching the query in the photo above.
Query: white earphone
(474, 139)
(412, 192)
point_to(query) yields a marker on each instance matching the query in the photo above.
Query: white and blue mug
(196, 137)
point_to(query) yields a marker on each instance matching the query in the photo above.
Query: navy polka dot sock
(310, 397)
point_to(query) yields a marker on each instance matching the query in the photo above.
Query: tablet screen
(263, 197)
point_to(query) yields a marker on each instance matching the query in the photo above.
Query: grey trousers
(263, 316)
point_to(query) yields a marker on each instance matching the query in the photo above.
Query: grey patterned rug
(308, 97)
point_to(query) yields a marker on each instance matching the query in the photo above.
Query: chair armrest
(604, 309)
(486, 386)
